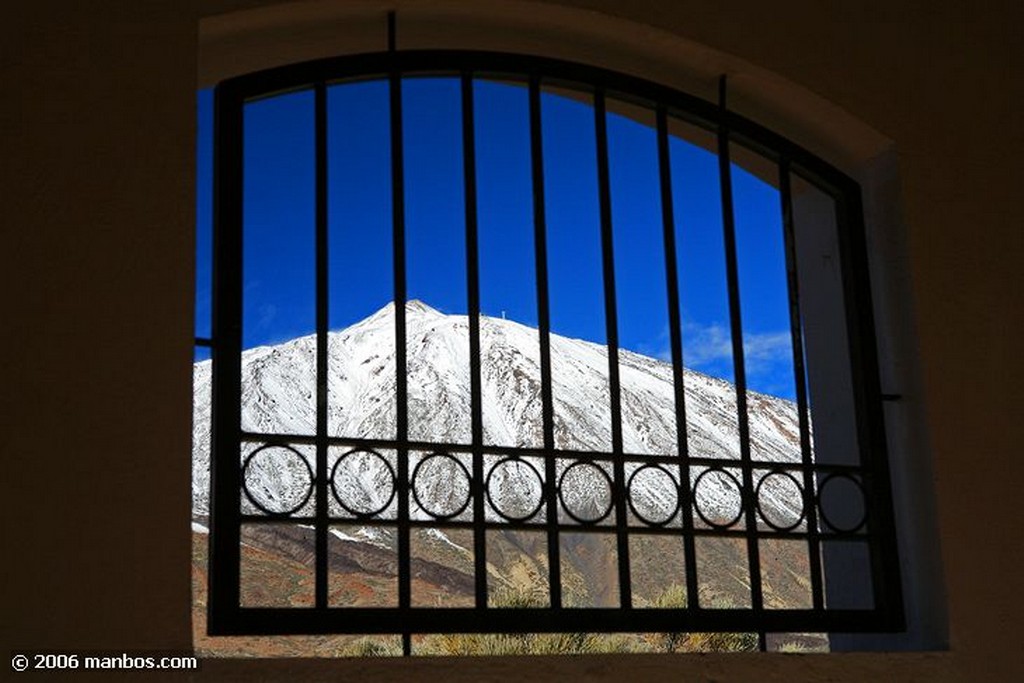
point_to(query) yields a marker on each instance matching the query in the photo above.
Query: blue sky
(279, 223)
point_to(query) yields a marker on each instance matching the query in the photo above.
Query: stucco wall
(97, 126)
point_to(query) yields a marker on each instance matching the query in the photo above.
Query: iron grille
(873, 529)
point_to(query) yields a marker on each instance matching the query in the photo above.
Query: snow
(278, 396)
(441, 536)
(343, 536)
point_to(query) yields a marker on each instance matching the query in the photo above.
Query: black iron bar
(544, 324)
(226, 418)
(204, 341)
(612, 333)
(735, 321)
(385, 620)
(860, 328)
(800, 380)
(566, 454)
(392, 32)
(676, 342)
(401, 379)
(321, 343)
(636, 528)
(473, 290)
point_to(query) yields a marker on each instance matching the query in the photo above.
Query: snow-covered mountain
(278, 396)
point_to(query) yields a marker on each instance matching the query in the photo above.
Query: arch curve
(246, 41)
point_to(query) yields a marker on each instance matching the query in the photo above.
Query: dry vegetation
(278, 572)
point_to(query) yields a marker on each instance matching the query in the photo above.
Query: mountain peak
(386, 314)
(418, 306)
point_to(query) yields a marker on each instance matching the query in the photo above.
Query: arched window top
(253, 40)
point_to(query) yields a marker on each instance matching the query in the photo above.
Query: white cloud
(768, 347)
(767, 355)
(659, 347)
(706, 344)
(266, 315)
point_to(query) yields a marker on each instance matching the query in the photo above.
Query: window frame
(226, 617)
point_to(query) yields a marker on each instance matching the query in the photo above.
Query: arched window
(521, 382)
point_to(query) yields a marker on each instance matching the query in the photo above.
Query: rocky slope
(279, 397)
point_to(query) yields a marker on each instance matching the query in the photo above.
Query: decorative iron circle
(697, 498)
(576, 474)
(296, 501)
(369, 456)
(760, 508)
(837, 516)
(446, 476)
(528, 491)
(645, 472)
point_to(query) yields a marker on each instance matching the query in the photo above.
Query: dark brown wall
(97, 121)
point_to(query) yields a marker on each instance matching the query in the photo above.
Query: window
(690, 502)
